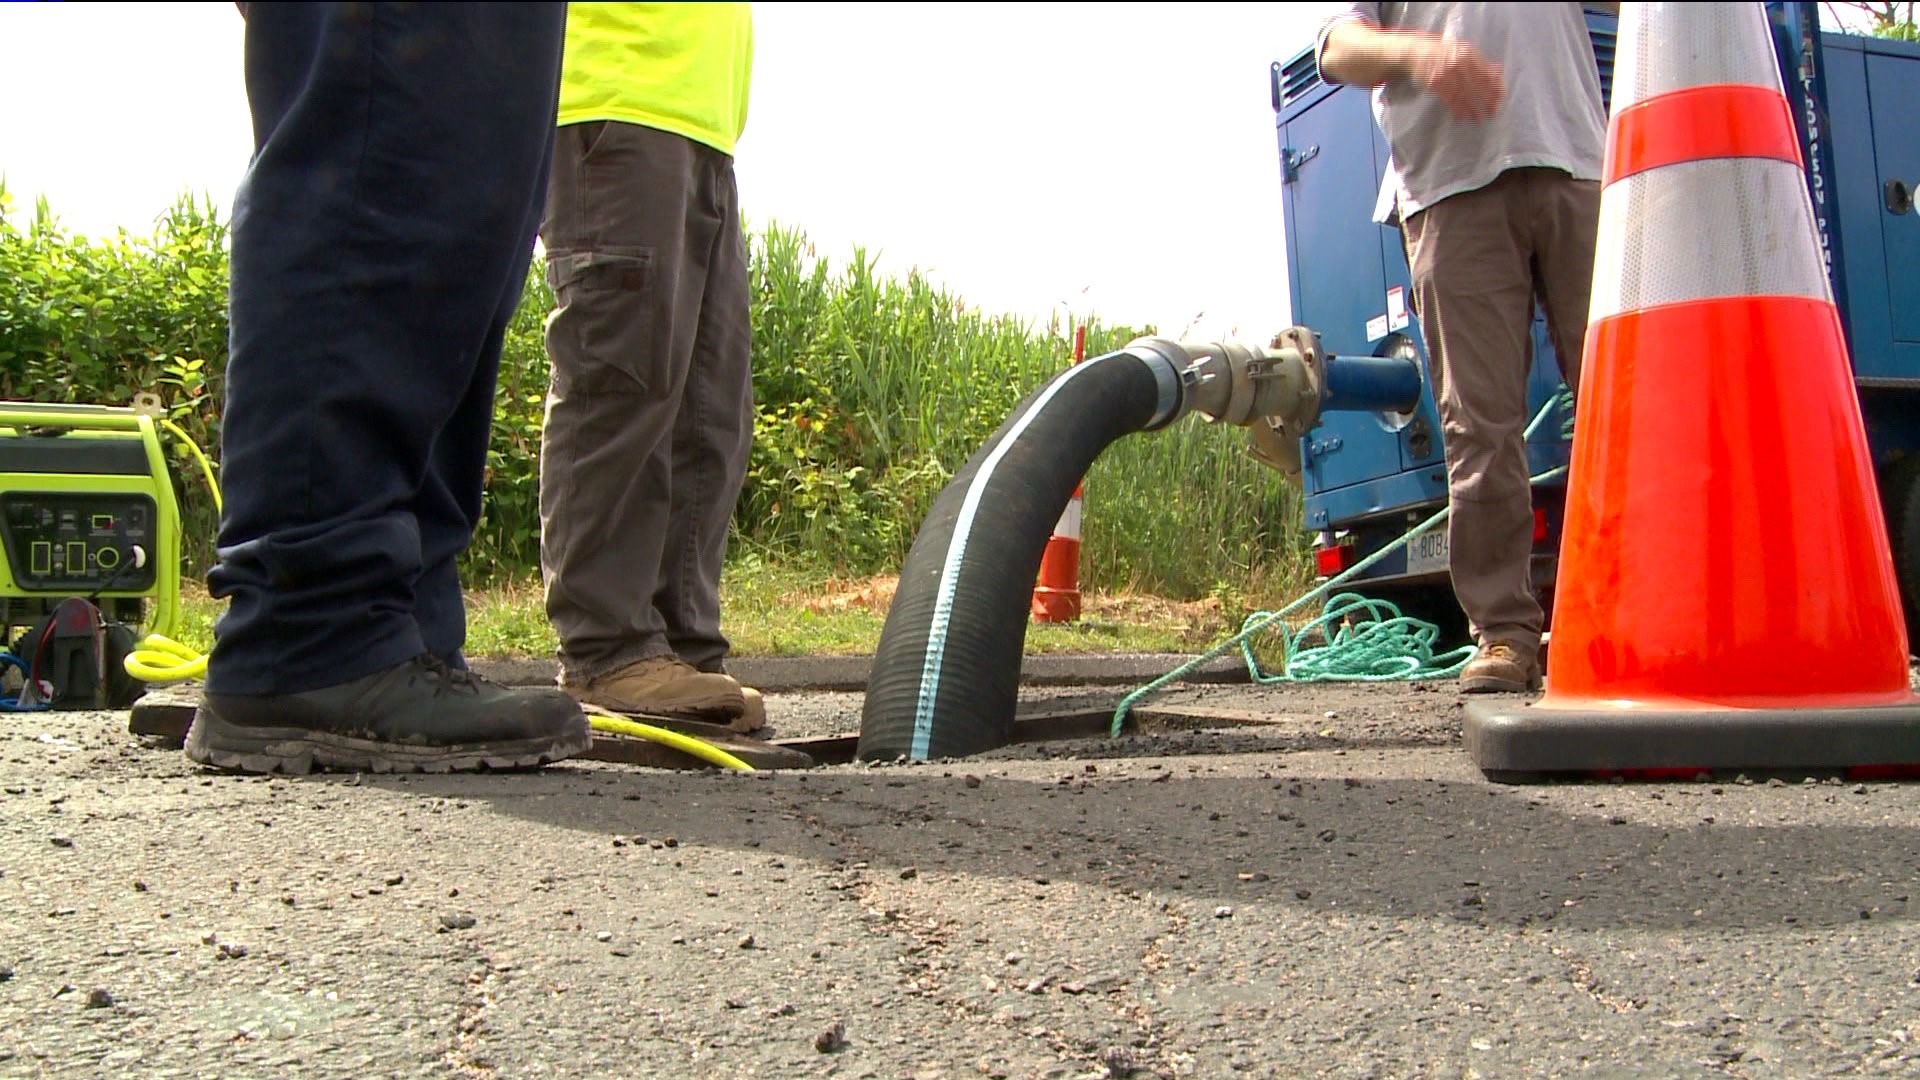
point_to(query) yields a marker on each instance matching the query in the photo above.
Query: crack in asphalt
(1580, 973)
(470, 1023)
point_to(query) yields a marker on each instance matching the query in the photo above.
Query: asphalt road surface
(1338, 892)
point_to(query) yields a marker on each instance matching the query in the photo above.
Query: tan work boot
(665, 686)
(1500, 668)
(754, 716)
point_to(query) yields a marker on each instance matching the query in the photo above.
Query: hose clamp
(1168, 361)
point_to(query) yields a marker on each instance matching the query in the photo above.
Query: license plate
(1427, 552)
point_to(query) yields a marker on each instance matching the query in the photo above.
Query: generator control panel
(76, 541)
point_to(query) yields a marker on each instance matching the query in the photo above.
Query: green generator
(87, 512)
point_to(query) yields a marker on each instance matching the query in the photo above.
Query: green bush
(97, 321)
(870, 391)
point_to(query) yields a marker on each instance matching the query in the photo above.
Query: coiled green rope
(1366, 641)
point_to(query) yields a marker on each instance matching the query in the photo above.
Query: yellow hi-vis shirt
(683, 68)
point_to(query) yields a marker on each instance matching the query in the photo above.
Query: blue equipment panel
(1892, 78)
(1858, 144)
(1323, 165)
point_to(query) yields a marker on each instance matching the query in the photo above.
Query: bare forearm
(1363, 55)
(1454, 71)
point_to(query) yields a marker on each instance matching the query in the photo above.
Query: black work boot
(420, 716)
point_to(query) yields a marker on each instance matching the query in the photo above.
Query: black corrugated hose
(946, 674)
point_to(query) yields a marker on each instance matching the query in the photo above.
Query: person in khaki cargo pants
(649, 415)
(1493, 116)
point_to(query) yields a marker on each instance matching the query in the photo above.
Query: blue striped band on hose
(957, 550)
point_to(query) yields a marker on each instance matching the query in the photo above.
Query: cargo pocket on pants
(604, 310)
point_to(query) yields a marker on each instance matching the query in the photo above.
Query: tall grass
(874, 390)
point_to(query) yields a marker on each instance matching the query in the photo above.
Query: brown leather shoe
(665, 686)
(1500, 668)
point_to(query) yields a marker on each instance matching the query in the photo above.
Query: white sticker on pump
(1397, 308)
(1376, 328)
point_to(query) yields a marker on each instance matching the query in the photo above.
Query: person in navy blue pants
(380, 243)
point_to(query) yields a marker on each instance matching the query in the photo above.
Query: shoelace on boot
(448, 678)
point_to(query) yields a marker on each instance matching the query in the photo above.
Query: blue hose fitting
(1371, 384)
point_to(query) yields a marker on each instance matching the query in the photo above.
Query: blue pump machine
(1369, 476)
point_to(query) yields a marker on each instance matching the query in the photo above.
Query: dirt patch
(1141, 608)
(876, 594)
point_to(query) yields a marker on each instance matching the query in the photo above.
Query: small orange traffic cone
(1056, 592)
(1726, 595)
(1056, 595)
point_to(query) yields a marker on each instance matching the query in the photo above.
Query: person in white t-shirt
(1493, 116)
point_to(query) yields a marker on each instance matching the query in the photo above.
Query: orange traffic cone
(1056, 595)
(1726, 595)
(1056, 592)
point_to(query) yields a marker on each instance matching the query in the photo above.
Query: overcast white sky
(1115, 158)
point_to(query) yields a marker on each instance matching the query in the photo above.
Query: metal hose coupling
(1275, 392)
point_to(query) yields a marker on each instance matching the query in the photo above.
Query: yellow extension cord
(603, 720)
(158, 659)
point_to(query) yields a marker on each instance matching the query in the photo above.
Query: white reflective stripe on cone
(1699, 229)
(1069, 525)
(1666, 47)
